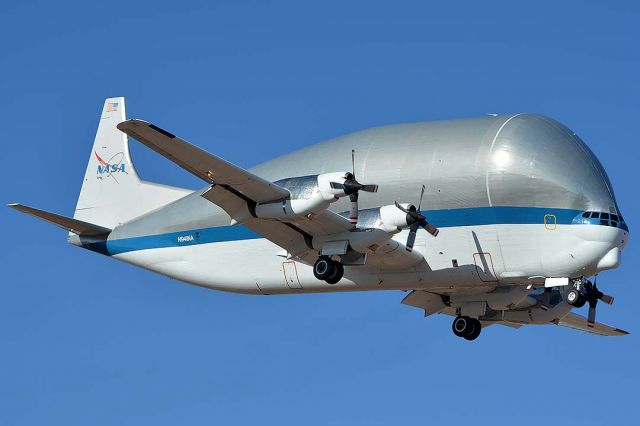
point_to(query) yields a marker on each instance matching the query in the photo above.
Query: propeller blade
(421, 195)
(431, 229)
(607, 299)
(591, 317)
(353, 163)
(401, 208)
(545, 299)
(353, 211)
(336, 185)
(411, 239)
(369, 188)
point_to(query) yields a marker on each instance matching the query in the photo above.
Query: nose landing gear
(466, 327)
(328, 270)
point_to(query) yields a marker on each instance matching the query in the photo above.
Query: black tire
(337, 276)
(475, 331)
(324, 268)
(581, 301)
(573, 297)
(461, 326)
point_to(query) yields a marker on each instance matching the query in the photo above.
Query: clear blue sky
(88, 340)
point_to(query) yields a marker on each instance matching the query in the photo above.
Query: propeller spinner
(352, 187)
(415, 220)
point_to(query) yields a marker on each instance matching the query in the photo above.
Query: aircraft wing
(206, 166)
(578, 322)
(295, 236)
(433, 303)
(235, 189)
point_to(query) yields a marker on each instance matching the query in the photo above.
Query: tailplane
(78, 227)
(112, 193)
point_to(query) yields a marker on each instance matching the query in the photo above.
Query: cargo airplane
(492, 220)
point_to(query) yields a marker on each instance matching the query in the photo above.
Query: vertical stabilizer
(112, 193)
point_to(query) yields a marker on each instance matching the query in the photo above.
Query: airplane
(497, 220)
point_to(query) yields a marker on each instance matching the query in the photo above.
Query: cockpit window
(601, 218)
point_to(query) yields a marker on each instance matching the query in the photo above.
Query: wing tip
(18, 206)
(129, 126)
(126, 124)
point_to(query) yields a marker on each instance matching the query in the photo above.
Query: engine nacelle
(289, 208)
(324, 184)
(361, 241)
(309, 194)
(537, 315)
(392, 218)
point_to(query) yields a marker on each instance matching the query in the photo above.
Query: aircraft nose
(625, 239)
(610, 260)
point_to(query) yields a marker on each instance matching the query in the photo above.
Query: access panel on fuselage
(290, 272)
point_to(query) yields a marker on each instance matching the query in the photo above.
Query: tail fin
(112, 193)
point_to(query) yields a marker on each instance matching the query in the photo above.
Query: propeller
(415, 220)
(352, 187)
(593, 295)
(545, 299)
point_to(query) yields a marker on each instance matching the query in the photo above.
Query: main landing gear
(466, 327)
(328, 270)
(576, 298)
(585, 291)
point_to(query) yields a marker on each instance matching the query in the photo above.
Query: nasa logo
(107, 169)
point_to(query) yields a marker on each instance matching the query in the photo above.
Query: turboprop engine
(393, 219)
(376, 230)
(312, 194)
(409, 216)
(537, 315)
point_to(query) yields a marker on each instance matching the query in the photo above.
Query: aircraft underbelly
(458, 257)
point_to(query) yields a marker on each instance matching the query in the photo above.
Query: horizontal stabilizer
(206, 166)
(72, 225)
(578, 322)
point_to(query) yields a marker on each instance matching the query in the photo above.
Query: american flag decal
(112, 106)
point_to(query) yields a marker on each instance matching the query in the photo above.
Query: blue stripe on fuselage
(475, 216)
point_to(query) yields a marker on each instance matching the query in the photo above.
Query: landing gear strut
(328, 270)
(466, 327)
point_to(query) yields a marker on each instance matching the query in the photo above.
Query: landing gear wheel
(337, 276)
(575, 298)
(467, 328)
(475, 332)
(461, 326)
(324, 268)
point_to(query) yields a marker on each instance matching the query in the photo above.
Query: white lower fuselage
(460, 257)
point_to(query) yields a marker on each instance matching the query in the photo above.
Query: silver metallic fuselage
(508, 193)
